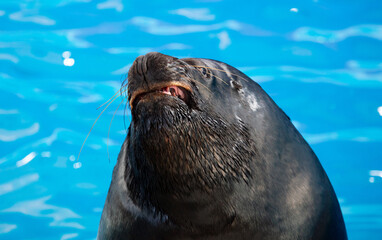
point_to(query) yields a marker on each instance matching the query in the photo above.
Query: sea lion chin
(209, 155)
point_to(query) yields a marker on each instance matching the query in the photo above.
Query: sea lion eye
(205, 72)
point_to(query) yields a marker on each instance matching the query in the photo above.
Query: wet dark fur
(212, 167)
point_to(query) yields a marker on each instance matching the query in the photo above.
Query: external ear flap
(236, 85)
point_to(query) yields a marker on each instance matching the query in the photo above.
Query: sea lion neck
(174, 163)
(171, 145)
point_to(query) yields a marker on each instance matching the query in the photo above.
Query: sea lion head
(185, 142)
(211, 154)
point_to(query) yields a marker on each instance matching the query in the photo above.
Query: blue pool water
(320, 60)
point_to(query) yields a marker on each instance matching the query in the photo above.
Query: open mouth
(178, 90)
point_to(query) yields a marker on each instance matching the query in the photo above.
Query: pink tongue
(173, 91)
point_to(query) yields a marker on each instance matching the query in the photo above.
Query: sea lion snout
(150, 67)
(157, 73)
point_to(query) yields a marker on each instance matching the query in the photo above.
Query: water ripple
(224, 39)
(350, 76)
(6, 228)
(75, 36)
(332, 36)
(199, 14)
(13, 135)
(69, 236)
(39, 208)
(31, 16)
(26, 159)
(117, 5)
(144, 50)
(8, 111)
(9, 57)
(358, 135)
(157, 27)
(18, 183)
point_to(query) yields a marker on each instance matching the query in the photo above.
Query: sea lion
(209, 155)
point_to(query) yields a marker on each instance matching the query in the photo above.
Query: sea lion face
(194, 83)
(183, 137)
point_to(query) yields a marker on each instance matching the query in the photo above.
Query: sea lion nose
(152, 66)
(153, 59)
(150, 69)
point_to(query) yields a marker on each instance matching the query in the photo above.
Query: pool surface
(321, 61)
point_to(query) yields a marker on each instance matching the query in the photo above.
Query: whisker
(211, 74)
(122, 86)
(193, 80)
(220, 79)
(108, 100)
(124, 117)
(108, 133)
(220, 70)
(78, 157)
